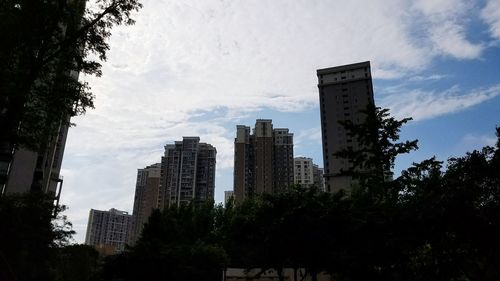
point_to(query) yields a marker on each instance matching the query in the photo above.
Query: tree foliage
(32, 230)
(434, 222)
(180, 243)
(45, 45)
(378, 145)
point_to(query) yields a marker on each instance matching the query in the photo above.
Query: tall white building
(108, 229)
(343, 92)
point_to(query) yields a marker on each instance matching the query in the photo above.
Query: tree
(30, 237)
(77, 263)
(45, 45)
(377, 140)
(178, 243)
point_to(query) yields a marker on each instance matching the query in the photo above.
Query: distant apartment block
(108, 229)
(319, 180)
(303, 169)
(343, 92)
(228, 195)
(307, 173)
(263, 160)
(146, 198)
(187, 172)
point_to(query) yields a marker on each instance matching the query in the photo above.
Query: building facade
(307, 173)
(303, 170)
(228, 195)
(318, 179)
(108, 229)
(263, 161)
(146, 198)
(187, 172)
(39, 171)
(344, 91)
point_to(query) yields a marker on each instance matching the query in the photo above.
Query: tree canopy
(45, 45)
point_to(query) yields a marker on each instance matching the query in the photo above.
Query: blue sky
(202, 67)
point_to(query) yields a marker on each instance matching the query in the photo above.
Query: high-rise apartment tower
(187, 172)
(146, 198)
(344, 91)
(263, 161)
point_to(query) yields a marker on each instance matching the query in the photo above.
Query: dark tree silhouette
(30, 238)
(45, 45)
(179, 243)
(378, 145)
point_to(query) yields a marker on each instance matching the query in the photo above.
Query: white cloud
(477, 141)
(309, 137)
(449, 38)
(433, 77)
(422, 105)
(491, 15)
(444, 24)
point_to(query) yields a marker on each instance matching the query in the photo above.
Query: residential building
(228, 195)
(108, 229)
(39, 171)
(303, 170)
(343, 92)
(187, 172)
(263, 160)
(146, 198)
(307, 173)
(318, 179)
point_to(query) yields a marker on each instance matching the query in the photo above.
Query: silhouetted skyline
(200, 71)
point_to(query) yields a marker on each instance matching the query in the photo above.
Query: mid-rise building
(108, 229)
(344, 91)
(146, 198)
(263, 161)
(187, 172)
(303, 170)
(307, 173)
(318, 179)
(228, 195)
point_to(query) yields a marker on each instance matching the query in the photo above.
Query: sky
(199, 68)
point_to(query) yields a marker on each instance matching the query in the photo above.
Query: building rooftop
(343, 67)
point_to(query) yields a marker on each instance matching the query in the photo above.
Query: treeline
(434, 222)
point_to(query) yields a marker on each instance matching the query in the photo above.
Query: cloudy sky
(199, 68)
